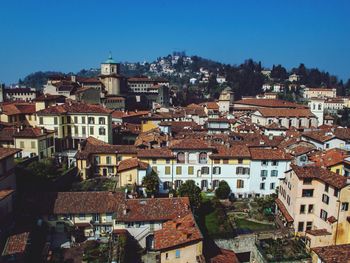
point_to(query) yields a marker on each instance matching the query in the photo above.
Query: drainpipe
(336, 230)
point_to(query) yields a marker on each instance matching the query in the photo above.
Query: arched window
(203, 157)
(180, 157)
(320, 106)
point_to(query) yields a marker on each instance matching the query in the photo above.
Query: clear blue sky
(70, 35)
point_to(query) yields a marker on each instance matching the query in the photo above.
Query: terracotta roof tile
(280, 112)
(333, 254)
(318, 232)
(269, 154)
(6, 152)
(74, 107)
(190, 144)
(16, 244)
(179, 231)
(319, 173)
(284, 210)
(270, 103)
(131, 163)
(155, 209)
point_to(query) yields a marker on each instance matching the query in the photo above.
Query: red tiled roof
(331, 219)
(177, 232)
(269, 103)
(16, 244)
(5, 193)
(30, 132)
(225, 256)
(237, 151)
(318, 232)
(319, 135)
(6, 152)
(283, 112)
(85, 202)
(284, 210)
(155, 209)
(15, 108)
(328, 158)
(319, 173)
(49, 97)
(269, 154)
(191, 144)
(155, 153)
(131, 163)
(333, 254)
(74, 107)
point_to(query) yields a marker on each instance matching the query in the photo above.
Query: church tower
(110, 76)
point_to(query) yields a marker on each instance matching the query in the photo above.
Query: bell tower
(110, 76)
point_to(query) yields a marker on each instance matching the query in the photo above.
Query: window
(54, 120)
(272, 186)
(203, 157)
(81, 216)
(167, 161)
(264, 163)
(274, 163)
(21, 144)
(302, 209)
(338, 171)
(97, 159)
(177, 253)
(240, 183)
(101, 120)
(325, 199)
(288, 199)
(109, 160)
(178, 170)
(190, 170)
(217, 170)
(32, 145)
(167, 169)
(327, 145)
(300, 226)
(225, 161)
(83, 120)
(307, 181)
(308, 225)
(310, 209)
(75, 119)
(101, 131)
(307, 193)
(262, 186)
(41, 121)
(83, 130)
(180, 157)
(91, 130)
(205, 170)
(263, 173)
(345, 206)
(62, 120)
(68, 119)
(91, 120)
(336, 192)
(76, 130)
(274, 173)
(166, 185)
(323, 215)
(326, 187)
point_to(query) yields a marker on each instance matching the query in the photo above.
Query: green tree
(192, 191)
(151, 183)
(223, 190)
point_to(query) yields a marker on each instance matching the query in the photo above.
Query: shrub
(223, 190)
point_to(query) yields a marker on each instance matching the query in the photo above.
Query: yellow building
(34, 142)
(18, 113)
(179, 241)
(97, 158)
(314, 202)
